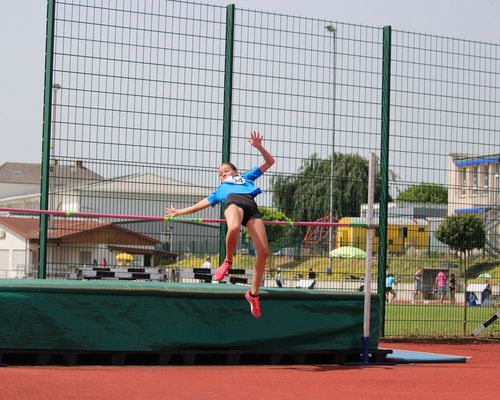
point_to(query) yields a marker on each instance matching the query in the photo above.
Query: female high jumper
(237, 193)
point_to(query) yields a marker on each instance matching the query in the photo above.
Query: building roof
(478, 161)
(465, 159)
(61, 174)
(76, 231)
(11, 172)
(150, 184)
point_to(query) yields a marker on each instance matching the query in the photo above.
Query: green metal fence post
(226, 127)
(47, 117)
(384, 170)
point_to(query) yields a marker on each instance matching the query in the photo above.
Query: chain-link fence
(143, 101)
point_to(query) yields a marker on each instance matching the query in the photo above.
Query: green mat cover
(148, 316)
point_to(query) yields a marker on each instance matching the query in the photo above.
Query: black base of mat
(27, 357)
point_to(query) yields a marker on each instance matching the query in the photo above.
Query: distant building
(136, 194)
(402, 234)
(474, 183)
(17, 179)
(20, 183)
(71, 243)
(401, 209)
(474, 188)
(148, 194)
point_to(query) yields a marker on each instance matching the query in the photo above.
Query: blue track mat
(413, 357)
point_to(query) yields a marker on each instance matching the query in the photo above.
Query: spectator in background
(390, 285)
(298, 278)
(486, 293)
(207, 263)
(453, 288)
(472, 300)
(440, 285)
(104, 263)
(279, 277)
(312, 278)
(418, 276)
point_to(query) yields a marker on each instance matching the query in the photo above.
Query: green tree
(462, 233)
(276, 234)
(305, 196)
(425, 193)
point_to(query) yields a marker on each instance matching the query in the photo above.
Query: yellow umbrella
(348, 252)
(124, 257)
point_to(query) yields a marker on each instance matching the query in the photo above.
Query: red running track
(478, 378)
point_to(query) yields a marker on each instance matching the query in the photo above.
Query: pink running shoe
(222, 270)
(254, 304)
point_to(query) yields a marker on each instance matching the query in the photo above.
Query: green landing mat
(131, 316)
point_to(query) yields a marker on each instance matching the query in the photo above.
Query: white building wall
(11, 189)
(13, 249)
(481, 185)
(4, 263)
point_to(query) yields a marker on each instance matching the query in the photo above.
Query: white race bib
(237, 180)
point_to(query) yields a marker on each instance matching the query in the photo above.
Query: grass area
(290, 265)
(437, 320)
(403, 267)
(239, 260)
(402, 320)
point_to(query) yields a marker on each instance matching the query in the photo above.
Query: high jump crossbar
(69, 214)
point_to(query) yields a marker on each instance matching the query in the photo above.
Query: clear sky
(22, 44)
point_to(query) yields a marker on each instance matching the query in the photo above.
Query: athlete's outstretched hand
(256, 140)
(171, 212)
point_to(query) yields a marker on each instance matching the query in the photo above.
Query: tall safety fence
(444, 141)
(143, 102)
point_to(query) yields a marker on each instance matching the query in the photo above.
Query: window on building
(486, 179)
(475, 180)
(463, 181)
(496, 184)
(483, 180)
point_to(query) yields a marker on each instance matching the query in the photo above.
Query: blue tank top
(239, 184)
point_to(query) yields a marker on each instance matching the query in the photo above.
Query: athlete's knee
(262, 252)
(233, 229)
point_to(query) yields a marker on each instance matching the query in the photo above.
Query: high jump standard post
(369, 258)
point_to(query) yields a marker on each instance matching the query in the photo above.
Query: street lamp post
(333, 30)
(55, 87)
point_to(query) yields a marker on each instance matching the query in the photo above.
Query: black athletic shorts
(247, 203)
